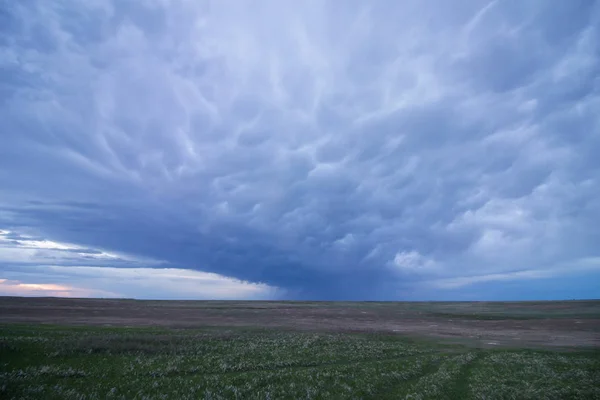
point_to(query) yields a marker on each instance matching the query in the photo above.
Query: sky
(380, 150)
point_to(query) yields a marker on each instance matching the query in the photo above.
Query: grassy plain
(188, 359)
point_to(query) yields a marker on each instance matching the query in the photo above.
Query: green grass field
(58, 362)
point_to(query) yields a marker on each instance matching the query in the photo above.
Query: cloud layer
(140, 283)
(369, 151)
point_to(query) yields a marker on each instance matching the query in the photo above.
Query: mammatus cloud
(364, 151)
(412, 261)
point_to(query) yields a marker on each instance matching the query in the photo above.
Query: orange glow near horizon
(43, 286)
(16, 288)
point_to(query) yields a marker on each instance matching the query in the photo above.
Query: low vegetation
(57, 362)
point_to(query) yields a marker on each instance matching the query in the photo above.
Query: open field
(567, 323)
(125, 349)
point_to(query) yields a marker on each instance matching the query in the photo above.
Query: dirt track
(565, 324)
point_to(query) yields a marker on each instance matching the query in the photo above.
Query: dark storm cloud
(359, 153)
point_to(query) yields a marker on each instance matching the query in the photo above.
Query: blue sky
(382, 150)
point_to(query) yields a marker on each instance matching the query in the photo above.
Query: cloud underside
(34, 267)
(327, 152)
(140, 283)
